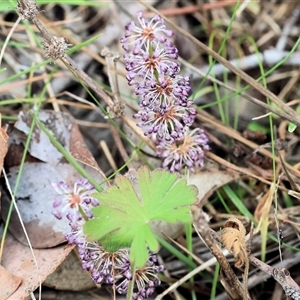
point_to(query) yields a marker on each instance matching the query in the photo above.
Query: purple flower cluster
(104, 267)
(114, 268)
(166, 113)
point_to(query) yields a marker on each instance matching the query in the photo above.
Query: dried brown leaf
(10, 281)
(233, 238)
(69, 276)
(17, 259)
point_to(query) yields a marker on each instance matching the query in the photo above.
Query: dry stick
(205, 233)
(281, 275)
(266, 271)
(294, 117)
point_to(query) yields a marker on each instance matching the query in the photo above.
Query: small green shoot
(292, 127)
(127, 208)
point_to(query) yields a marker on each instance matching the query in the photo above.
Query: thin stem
(131, 283)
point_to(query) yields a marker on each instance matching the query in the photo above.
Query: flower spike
(166, 113)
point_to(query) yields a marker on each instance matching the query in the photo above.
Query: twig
(264, 273)
(112, 76)
(281, 275)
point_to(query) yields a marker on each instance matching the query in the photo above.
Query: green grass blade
(237, 202)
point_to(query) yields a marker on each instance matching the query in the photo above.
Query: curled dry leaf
(233, 238)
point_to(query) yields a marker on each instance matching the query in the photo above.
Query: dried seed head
(56, 48)
(117, 111)
(27, 9)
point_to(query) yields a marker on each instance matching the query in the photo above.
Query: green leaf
(292, 127)
(127, 208)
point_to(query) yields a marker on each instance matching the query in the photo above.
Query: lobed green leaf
(127, 208)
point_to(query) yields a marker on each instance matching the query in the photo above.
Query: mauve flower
(114, 268)
(145, 279)
(145, 63)
(76, 236)
(104, 267)
(166, 88)
(166, 122)
(166, 113)
(186, 153)
(146, 32)
(74, 198)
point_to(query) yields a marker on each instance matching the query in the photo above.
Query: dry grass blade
(230, 88)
